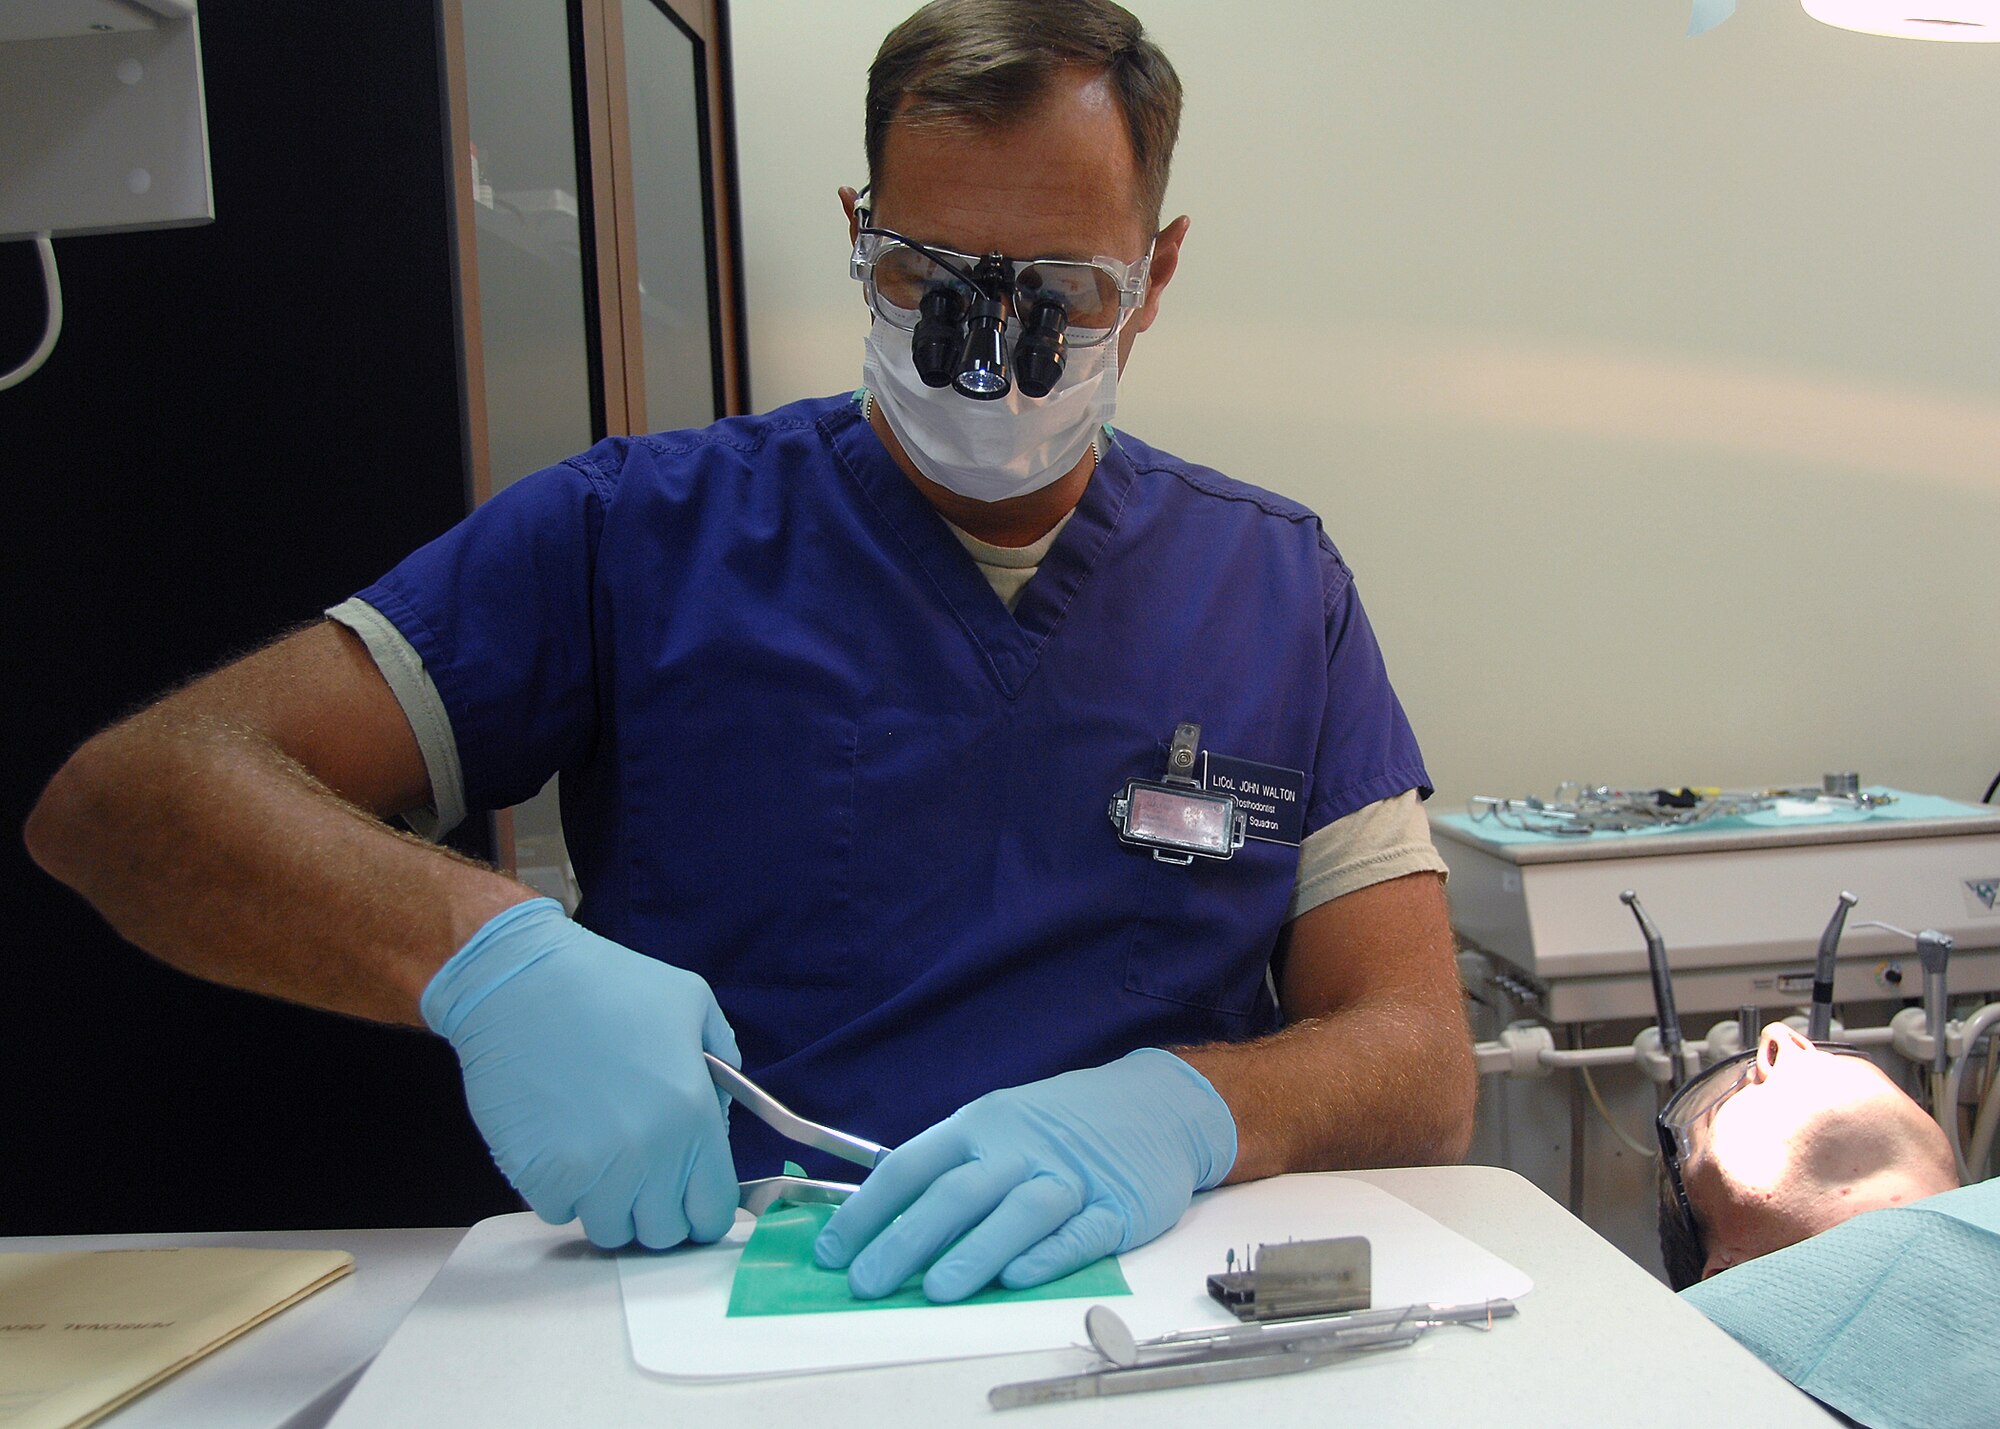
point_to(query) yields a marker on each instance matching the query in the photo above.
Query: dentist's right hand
(583, 1070)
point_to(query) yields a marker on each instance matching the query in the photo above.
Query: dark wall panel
(243, 423)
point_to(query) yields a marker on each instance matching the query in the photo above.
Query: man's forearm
(1365, 1086)
(206, 845)
(1376, 1066)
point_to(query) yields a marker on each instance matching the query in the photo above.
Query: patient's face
(1810, 1138)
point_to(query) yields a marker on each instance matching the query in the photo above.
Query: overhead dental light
(1960, 20)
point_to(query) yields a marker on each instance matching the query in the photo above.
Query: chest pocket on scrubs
(1205, 931)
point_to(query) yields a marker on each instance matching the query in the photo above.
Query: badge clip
(1174, 816)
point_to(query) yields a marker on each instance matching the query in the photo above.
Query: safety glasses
(1685, 1123)
(1095, 296)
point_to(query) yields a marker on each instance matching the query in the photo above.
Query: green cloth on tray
(777, 1276)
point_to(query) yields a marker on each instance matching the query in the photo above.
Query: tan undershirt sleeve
(414, 690)
(1375, 843)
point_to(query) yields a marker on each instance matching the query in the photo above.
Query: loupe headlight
(982, 368)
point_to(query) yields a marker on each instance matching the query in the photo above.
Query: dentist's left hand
(1034, 1182)
(583, 1069)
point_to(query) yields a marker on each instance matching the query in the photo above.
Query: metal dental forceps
(760, 1194)
(1214, 1355)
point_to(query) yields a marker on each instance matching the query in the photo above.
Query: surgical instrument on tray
(1663, 991)
(1104, 1339)
(1238, 1352)
(1579, 810)
(1297, 1280)
(759, 1194)
(1819, 1019)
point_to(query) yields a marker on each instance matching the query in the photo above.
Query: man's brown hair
(989, 62)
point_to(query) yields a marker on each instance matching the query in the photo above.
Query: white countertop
(524, 1326)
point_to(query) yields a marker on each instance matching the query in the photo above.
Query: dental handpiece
(1819, 1018)
(1663, 990)
(1934, 952)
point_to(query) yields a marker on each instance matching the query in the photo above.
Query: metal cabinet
(247, 421)
(596, 251)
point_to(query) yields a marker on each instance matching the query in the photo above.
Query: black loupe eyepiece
(940, 336)
(1038, 356)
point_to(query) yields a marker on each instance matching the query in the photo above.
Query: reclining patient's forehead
(1808, 1093)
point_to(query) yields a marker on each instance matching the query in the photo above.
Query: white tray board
(676, 1302)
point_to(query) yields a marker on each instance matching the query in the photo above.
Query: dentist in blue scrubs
(841, 696)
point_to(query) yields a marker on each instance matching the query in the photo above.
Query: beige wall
(1650, 385)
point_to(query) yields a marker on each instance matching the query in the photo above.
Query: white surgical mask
(989, 451)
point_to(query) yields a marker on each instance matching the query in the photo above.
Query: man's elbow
(1454, 1132)
(82, 828)
(1452, 1096)
(66, 822)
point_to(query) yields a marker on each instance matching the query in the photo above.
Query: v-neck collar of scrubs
(1010, 643)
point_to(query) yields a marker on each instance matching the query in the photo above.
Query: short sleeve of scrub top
(1367, 750)
(510, 653)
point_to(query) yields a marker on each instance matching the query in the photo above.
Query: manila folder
(82, 1332)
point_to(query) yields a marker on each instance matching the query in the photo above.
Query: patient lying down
(1819, 1208)
(1791, 1142)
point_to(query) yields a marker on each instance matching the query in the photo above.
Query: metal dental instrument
(1748, 1026)
(1242, 1352)
(1102, 1327)
(1819, 1020)
(1934, 952)
(1579, 810)
(758, 1195)
(1304, 1279)
(1663, 991)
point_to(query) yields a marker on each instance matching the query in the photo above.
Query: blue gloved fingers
(888, 1191)
(1025, 1217)
(605, 1207)
(547, 1190)
(709, 1203)
(677, 1202)
(1137, 1137)
(583, 1070)
(957, 1201)
(1095, 1231)
(719, 1038)
(659, 1214)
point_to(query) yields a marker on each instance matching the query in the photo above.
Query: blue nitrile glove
(1039, 1180)
(583, 1070)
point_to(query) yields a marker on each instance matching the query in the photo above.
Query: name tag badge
(1271, 799)
(1205, 805)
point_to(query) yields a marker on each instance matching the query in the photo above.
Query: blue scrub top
(808, 753)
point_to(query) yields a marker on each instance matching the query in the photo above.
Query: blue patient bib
(1892, 1317)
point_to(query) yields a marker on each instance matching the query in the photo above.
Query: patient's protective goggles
(1689, 1116)
(957, 305)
